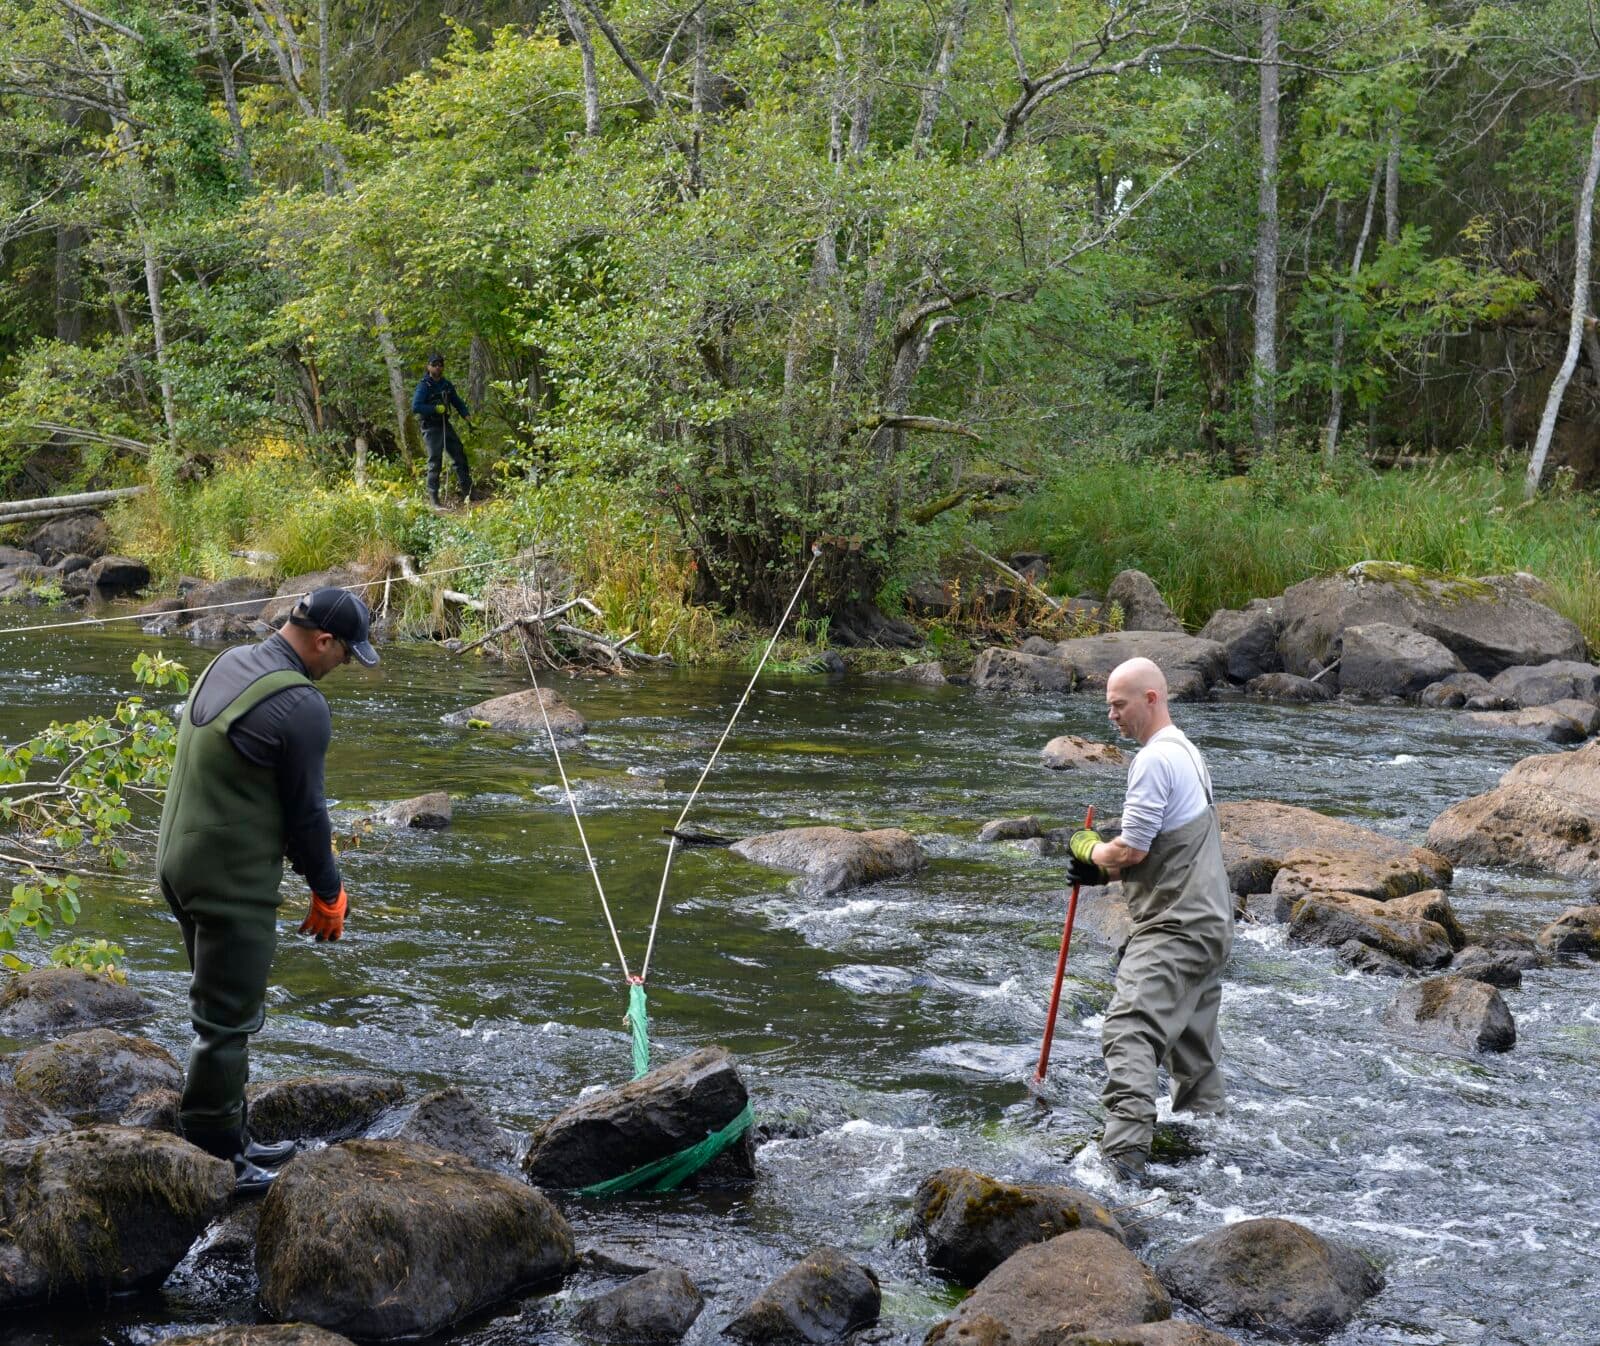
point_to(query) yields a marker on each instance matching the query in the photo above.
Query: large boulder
(22, 1116)
(91, 1212)
(1050, 1290)
(1573, 934)
(1455, 1013)
(654, 1309)
(1430, 905)
(449, 1120)
(1192, 665)
(18, 556)
(519, 713)
(1380, 659)
(76, 534)
(1001, 670)
(319, 1107)
(1498, 967)
(275, 612)
(833, 859)
(419, 1239)
(970, 1223)
(616, 1131)
(111, 576)
(1068, 752)
(95, 1074)
(1277, 829)
(1272, 1276)
(1489, 624)
(1332, 919)
(1250, 638)
(1308, 869)
(823, 1297)
(1562, 722)
(1545, 812)
(1143, 607)
(232, 607)
(60, 999)
(1544, 684)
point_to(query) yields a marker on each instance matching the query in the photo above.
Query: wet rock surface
(929, 673)
(1170, 1333)
(971, 1223)
(421, 1239)
(616, 1131)
(833, 859)
(1289, 688)
(822, 1298)
(102, 1209)
(653, 1309)
(59, 1000)
(1545, 812)
(1067, 752)
(1545, 684)
(1008, 829)
(520, 713)
(263, 1334)
(448, 1119)
(1453, 692)
(1575, 933)
(430, 812)
(1549, 723)
(96, 1073)
(1332, 919)
(1497, 967)
(1274, 1276)
(319, 1107)
(1051, 1290)
(23, 1116)
(1454, 1013)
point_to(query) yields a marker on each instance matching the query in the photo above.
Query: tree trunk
(397, 381)
(591, 77)
(933, 95)
(1583, 232)
(480, 366)
(158, 330)
(69, 283)
(324, 78)
(1330, 434)
(866, 81)
(1391, 184)
(361, 457)
(230, 95)
(1264, 376)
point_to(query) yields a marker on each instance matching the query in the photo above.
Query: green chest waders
(220, 864)
(1169, 984)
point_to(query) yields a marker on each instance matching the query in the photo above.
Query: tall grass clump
(1212, 542)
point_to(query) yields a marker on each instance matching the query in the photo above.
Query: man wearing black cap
(246, 791)
(432, 401)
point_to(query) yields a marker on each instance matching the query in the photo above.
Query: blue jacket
(430, 393)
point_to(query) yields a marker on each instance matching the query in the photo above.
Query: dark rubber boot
(269, 1156)
(250, 1179)
(433, 498)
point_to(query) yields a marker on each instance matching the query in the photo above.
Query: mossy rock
(319, 1107)
(822, 1298)
(96, 1074)
(100, 1210)
(61, 999)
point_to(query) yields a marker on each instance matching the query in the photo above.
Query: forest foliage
(767, 272)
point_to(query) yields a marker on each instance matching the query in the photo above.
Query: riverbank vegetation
(1177, 284)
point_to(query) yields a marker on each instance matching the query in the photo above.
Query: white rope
(572, 803)
(672, 839)
(240, 603)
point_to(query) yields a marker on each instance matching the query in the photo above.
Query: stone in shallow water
(60, 999)
(1574, 933)
(833, 859)
(449, 1120)
(653, 1309)
(520, 713)
(822, 1298)
(319, 1107)
(1069, 751)
(1454, 1013)
(385, 1239)
(263, 1334)
(95, 1074)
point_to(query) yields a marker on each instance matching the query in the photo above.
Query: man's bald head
(1136, 699)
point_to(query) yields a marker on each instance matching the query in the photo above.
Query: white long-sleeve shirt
(1168, 785)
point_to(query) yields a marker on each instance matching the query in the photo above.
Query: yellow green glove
(1083, 842)
(438, 409)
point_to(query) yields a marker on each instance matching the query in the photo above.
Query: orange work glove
(325, 920)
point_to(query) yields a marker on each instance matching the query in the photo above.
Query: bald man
(1169, 979)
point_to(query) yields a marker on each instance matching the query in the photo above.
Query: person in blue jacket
(432, 401)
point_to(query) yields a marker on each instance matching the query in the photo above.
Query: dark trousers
(230, 946)
(441, 438)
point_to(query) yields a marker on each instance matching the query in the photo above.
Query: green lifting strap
(662, 1175)
(639, 1025)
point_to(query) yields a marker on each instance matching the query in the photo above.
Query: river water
(890, 1027)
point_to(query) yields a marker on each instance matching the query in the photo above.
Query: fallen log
(66, 504)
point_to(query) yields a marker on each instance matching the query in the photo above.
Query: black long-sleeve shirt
(288, 732)
(433, 392)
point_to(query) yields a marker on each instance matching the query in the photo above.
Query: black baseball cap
(341, 614)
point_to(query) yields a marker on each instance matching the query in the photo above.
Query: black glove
(1086, 873)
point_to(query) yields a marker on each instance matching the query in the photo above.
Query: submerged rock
(384, 1239)
(1051, 1290)
(653, 1309)
(1359, 957)
(1008, 829)
(619, 1130)
(319, 1107)
(1191, 665)
(1143, 607)
(519, 713)
(1380, 659)
(1575, 933)
(1332, 919)
(832, 859)
(1068, 751)
(971, 1223)
(929, 673)
(1549, 723)
(95, 1074)
(1545, 812)
(1454, 1013)
(91, 1212)
(429, 811)
(822, 1298)
(1272, 1276)
(1289, 688)
(999, 670)
(60, 999)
